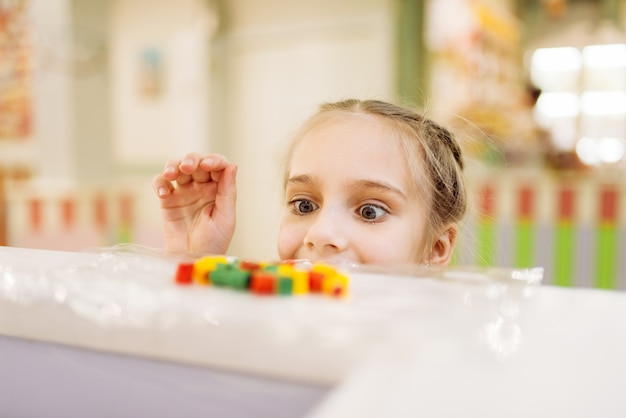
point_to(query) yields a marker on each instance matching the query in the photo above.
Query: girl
(366, 182)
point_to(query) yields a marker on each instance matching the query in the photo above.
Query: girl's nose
(325, 234)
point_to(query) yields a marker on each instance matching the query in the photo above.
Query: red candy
(263, 283)
(184, 273)
(249, 265)
(316, 280)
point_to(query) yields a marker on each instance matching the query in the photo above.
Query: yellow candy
(205, 265)
(325, 269)
(300, 282)
(335, 284)
(264, 264)
(285, 270)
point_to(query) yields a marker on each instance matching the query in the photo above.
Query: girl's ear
(441, 252)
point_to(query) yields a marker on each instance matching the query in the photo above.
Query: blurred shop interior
(96, 95)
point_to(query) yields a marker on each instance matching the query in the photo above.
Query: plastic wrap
(124, 298)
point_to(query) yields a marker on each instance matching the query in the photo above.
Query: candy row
(284, 278)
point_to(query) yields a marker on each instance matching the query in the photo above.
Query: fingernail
(163, 191)
(170, 169)
(187, 162)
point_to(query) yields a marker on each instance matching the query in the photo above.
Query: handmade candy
(262, 278)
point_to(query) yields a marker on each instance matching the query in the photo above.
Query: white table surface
(399, 346)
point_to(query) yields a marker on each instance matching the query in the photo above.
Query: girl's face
(348, 197)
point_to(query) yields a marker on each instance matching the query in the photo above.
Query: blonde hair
(433, 156)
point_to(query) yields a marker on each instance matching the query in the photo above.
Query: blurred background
(96, 95)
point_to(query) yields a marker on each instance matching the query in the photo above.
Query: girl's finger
(190, 163)
(226, 198)
(201, 176)
(214, 162)
(162, 187)
(170, 171)
(184, 179)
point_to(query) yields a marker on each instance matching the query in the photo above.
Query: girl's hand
(198, 196)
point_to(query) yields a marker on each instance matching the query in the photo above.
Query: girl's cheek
(286, 242)
(291, 236)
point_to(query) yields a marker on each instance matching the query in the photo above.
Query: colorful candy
(184, 273)
(283, 278)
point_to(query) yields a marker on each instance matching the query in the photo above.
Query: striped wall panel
(574, 226)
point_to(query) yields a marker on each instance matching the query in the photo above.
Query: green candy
(285, 286)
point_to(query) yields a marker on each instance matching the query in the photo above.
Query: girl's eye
(304, 206)
(372, 213)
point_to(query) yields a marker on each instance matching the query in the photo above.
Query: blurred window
(583, 100)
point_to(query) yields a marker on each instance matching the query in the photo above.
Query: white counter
(457, 343)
